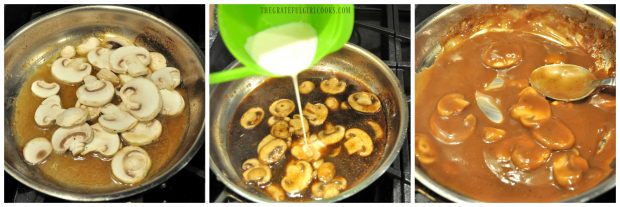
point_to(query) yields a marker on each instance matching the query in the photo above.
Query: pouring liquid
(285, 50)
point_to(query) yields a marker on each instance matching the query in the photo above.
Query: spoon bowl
(566, 82)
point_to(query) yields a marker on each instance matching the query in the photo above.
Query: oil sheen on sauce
(465, 167)
(92, 172)
(242, 143)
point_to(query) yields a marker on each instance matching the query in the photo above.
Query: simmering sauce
(91, 172)
(513, 160)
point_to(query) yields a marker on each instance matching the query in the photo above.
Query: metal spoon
(567, 82)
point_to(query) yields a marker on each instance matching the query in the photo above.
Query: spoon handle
(608, 82)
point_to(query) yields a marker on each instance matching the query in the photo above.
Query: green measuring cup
(333, 24)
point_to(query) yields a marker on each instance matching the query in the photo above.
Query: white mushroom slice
(326, 172)
(331, 134)
(298, 176)
(131, 60)
(125, 78)
(280, 130)
(116, 42)
(166, 78)
(95, 92)
(158, 61)
(37, 150)
(44, 89)
(295, 125)
(358, 142)
(172, 101)
(282, 107)
(67, 51)
(256, 172)
(315, 113)
(100, 57)
(364, 102)
(273, 151)
(116, 120)
(131, 164)
(376, 128)
(87, 45)
(273, 119)
(252, 117)
(104, 142)
(47, 112)
(306, 87)
(108, 75)
(73, 139)
(333, 86)
(93, 112)
(143, 133)
(324, 190)
(71, 117)
(332, 103)
(142, 99)
(275, 191)
(70, 71)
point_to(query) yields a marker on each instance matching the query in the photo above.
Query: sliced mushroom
(315, 113)
(131, 164)
(87, 46)
(273, 151)
(44, 89)
(453, 130)
(568, 169)
(166, 78)
(125, 78)
(108, 75)
(282, 107)
(365, 102)
(325, 190)
(93, 112)
(332, 103)
(306, 87)
(143, 133)
(376, 128)
(115, 120)
(333, 86)
(37, 150)
(452, 104)
(492, 134)
(280, 130)
(70, 71)
(326, 172)
(273, 119)
(73, 138)
(252, 117)
(256, 172)
(172, 102)
(297, 177)
(95, 92)
(104, 142)
(554, 135)
(158, 61)
(317, 163)
(531, 109)
(502, 55)
(331, 134)
(295, 125)
(67, 51)
(529, 155)
(143, 100)
(47, 112)
(72, 117)
(275, 191)
(131, 60)
(358, 142)
(344, 106)
(264, 142)
(335, 152)
(313, 151)
(425, 149)
(100, 58)
(116, 42)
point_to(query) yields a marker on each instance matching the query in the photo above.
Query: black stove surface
(188, 185)
(384, 30)
(425, 195)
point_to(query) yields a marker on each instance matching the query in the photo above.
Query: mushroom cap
(115, 42)
(425, 149)
(295, 125)
(528, 155)
(116, 120)
(326, 172)
(166, 78)
(502, 55)
(377, 130)
(250, 163)
(273, 119)
(142, 99)
(328, 189)
(95, 92)
(93, 112)
(43, 89)
(364, 102)
(454, 129)
(492, 134)
(531, 109)
(275, 191)
(252, 117)
(131, 60)
(306, 87)
(315, 113)
(297, 177)
(104, 142)
(554, 135)
(131, 164)
(70, 71)
(158, 61)
(143, 133)
(358, 141)
(172, 102)
(108, 75)
(260, 174)
(37, 150)
(71, 117)
(125, 78)
(452, 104)
(100, 57)
(332, 103)
(282, 107)
(568, 169)
(273, 151)
(333, 86)
(72, 138)
(280, 130)
(47, 112)
(87, 45)
(331, 134)
(67, 51)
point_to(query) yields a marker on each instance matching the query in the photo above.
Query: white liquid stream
(285, 50)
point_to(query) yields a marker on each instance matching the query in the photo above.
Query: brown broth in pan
(354, 168)
(91, 172)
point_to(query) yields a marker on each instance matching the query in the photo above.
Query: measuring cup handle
(232, 74)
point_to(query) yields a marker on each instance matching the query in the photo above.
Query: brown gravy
(92, 172)
(464, 167)
(242, 143)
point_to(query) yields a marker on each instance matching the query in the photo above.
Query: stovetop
(185, 186)
(384, 30)
(425, 195)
